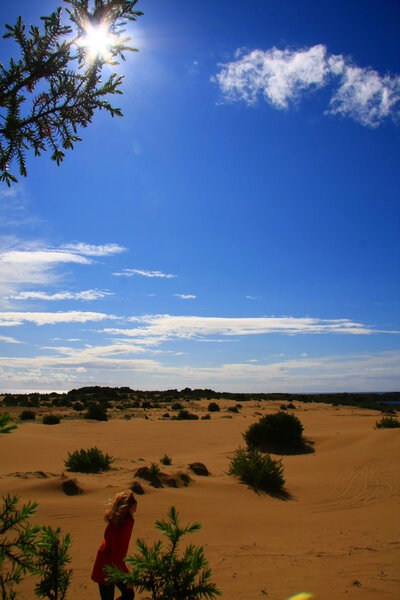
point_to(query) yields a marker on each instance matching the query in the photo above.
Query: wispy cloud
(86, 295)
(94, 250)
(186, 296)
(25, 263)
(13, 319)
(8, 340)
(283, 76)
(143, 273)
(166, 327)
(253, 297)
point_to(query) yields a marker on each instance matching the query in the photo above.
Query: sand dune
(339, 527)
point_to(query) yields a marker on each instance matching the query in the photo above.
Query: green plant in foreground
(51, 559)
(17, 544)
(26, 548)
(388, 423)
(92, 460)
(169, 574)
(6, 423)
(258, 470)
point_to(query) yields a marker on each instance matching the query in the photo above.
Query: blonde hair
(119, 508)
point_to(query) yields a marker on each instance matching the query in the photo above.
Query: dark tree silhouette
(55, 86)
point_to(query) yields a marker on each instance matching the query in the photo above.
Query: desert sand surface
(337, 535)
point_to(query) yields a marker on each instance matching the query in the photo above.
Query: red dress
(113, 549)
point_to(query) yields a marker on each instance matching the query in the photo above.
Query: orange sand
(340, 526)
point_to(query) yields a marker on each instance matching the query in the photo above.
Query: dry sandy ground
(338, 535)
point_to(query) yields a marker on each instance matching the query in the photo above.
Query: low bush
(279, 432)
(206, 417)
(258, 470)
(146, 404)
(27, 415)
(388, 423)
(165, 416)
(97, 412)
(213, 407)
(233, 409)
(92, 460)
(51, 420)
(6, 423)
(78, 406)
(185, 415)
(176, 406)
(166, 460)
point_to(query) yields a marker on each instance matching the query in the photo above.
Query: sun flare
(97, 40)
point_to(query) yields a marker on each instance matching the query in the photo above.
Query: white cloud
(186, 296)
(253, 297)
(35, 263)
(281, 76)
(94, 250)
(150, 274)
(166, 327)
(365, 96)
(13, 319)
(86, 295)
(8, 340)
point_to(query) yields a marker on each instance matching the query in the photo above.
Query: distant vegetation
(92, 460)
(51, 420)
(27, 415)
(388, 423)
(125, 397)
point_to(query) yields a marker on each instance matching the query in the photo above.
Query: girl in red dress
(119, 519)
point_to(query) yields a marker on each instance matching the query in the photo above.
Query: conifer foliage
(55, 86)
(169, 574)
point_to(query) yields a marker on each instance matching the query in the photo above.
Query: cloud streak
(14, 319)
(281, 77)
(86, 295)
(167, 327)
(143, 273)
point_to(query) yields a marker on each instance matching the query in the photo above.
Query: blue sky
(238, 229)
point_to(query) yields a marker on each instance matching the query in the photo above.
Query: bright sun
(98, 41)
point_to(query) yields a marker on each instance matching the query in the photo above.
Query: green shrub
(185, 415)
(258, 470)
(388, 423)
(52, 556)
(6, 423)
(51, 420)
(97, 412)
(146, 404)
(166, 460)
(27, 415)
(233, 409)
(213, 407)
(278, 432)
(206, 417)
(176, 406)
(165, 416)
(171, 573)
(78, 406)
(92, 460)
(31, 549)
